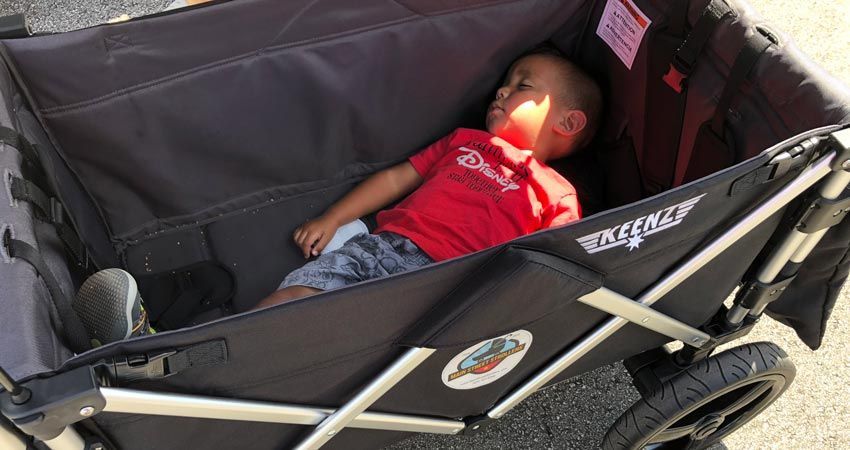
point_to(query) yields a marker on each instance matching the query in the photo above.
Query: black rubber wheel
(706, 402)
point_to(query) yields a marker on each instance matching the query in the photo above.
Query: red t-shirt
(478, 191)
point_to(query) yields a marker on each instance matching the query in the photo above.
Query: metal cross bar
(795, 247)
(10, 439)
(640, 314)
(371, 393)
(132, 401)
(804, 181)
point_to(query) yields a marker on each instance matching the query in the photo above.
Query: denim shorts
(363, 257)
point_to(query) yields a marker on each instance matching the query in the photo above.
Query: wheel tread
(707, 389)
(660, 414)
(720, 369)
(745, 370)
(696, 391)
(637, 424)
(675, 395)
(775, 353)
(691, 388)
(653, 419)
(625, 439)
(763, 361)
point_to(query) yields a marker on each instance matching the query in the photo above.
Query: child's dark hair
(582, 92)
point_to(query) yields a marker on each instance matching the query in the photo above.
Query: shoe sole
(105, 304)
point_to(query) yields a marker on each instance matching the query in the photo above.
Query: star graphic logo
(632, 233)
(634, 242)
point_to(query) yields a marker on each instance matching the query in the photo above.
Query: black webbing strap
(11, 137)
(184, 306)
(741, 68)
(714, 147)
(195, 296)
(755, 178)
(31, 165)
(671, 61)
(678, 18)
(165, 363)
(199, 355)
(685, 59)
(799, 157)
(48, 209)
(69, 325)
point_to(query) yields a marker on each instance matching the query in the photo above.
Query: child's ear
(571, 123)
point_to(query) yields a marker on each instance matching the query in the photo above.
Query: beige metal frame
(353, 414)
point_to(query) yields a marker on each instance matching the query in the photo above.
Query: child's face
(526, 109)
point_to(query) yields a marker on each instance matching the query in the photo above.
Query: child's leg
(363, 257)
(286, 294)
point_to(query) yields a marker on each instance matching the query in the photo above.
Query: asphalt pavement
(813, 413)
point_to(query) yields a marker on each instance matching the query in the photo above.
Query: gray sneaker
(110, 307)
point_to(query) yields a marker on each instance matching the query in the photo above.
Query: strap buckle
(685, 57)
(125, 369)
(56, 214)
(122, 369)
(675, 78)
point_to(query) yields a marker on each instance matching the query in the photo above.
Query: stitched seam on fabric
(590, 282)
(115, 42)
(457, 287)
(471, 304)
(291, 21)
(320, 365)
(56, 111)
(235, 212)
(568, 275)
(454, 10)
(7, 183)
(408, 8)
(823, 314)
(4, 252)
(528, 322)
(523, 325)
(643, 260)
(759, 93)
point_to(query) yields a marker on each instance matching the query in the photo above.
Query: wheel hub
(708, 425)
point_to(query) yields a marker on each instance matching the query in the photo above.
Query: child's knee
(287, 294)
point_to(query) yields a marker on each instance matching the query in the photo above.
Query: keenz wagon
(184, 147)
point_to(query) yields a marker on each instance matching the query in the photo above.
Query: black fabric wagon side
(185, 163)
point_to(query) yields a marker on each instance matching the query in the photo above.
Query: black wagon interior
(184, 148)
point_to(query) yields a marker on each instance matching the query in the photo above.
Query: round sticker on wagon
(486, 361)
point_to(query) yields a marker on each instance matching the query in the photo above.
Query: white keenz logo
(631, 233)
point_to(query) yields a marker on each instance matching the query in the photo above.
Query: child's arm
(377, 191)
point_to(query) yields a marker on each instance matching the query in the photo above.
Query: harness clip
(675, 78)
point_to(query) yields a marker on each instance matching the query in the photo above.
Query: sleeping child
(468, 191)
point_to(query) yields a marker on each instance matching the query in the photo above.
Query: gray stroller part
(181, 146)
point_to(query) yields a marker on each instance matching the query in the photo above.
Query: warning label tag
(622, 27)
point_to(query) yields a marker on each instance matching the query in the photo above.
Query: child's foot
(110, 307)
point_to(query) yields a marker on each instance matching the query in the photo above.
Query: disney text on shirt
(471, 159)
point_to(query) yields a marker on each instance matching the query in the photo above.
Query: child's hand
(314, 235)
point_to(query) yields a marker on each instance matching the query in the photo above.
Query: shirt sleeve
(424, 160)
(563, 212)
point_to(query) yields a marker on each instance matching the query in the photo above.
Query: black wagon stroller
(184, 147)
